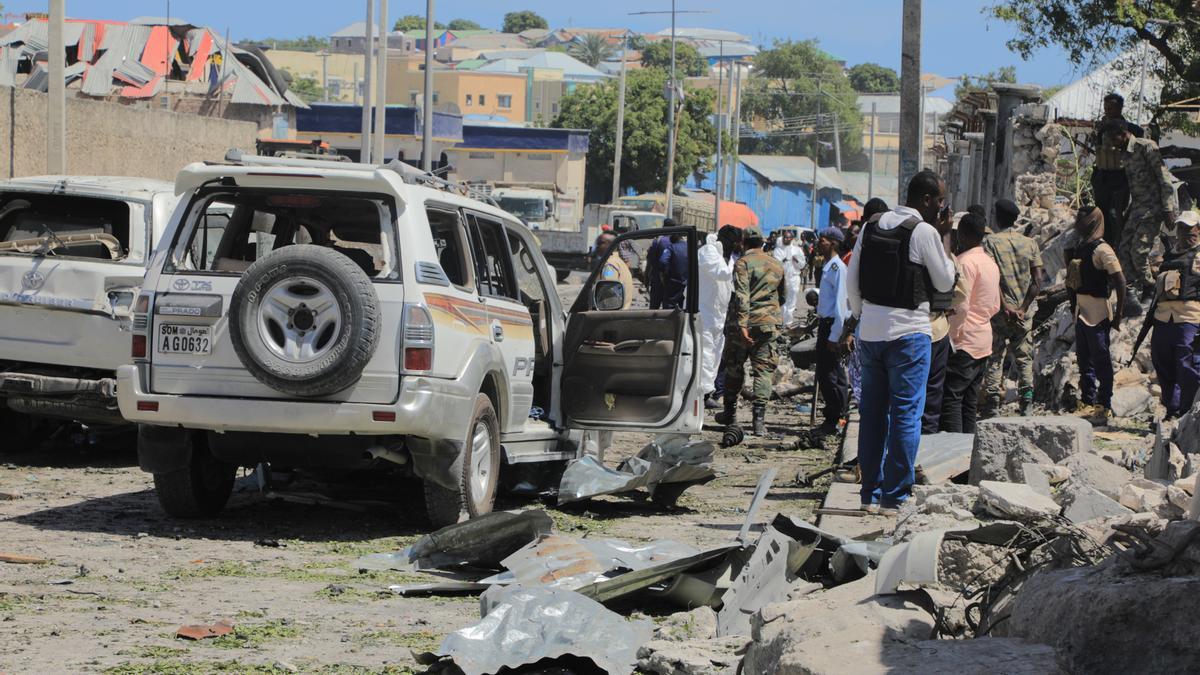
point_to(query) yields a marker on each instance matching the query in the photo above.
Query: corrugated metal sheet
(787, 202)
(857, 183)
(783, 169)
(1083, 99)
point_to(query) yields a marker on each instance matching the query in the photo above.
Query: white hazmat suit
(716, 288)
(793, 260)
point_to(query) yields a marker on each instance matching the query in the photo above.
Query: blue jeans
(894, 377)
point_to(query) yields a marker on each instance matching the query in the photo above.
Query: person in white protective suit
(789, 253)
(716, 260)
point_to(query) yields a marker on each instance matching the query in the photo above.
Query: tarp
(737, 214)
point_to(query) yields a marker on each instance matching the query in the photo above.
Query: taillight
(418, 338)
(140, 327)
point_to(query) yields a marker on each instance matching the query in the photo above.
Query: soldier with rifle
(1175, 318)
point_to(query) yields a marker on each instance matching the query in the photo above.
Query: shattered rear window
(228, 232)
(63, 225)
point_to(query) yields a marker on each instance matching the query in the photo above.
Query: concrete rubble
(1004, 444)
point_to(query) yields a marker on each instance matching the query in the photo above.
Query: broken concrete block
(1132, 400)
(937, 507)
(1188, 484)
(1187, 431)
(1101, 621)
(1179, 498)
(1003, 444)
(1035, 478)
(1056, 473)
(1143, 494)
(1095, 471)
(1082, 503)
(1016, 501)
(698, 624)
(978, 656)
(696, 657)
(827, 631)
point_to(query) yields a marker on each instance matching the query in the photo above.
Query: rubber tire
(199, 491)
(562, 274)
(445, 506)
(355, 344)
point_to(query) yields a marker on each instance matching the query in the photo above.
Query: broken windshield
(528, 209)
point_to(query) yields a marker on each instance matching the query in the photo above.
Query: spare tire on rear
(304, 320)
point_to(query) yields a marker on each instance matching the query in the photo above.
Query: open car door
(626, 366)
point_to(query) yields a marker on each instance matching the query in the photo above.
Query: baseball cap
(1189, 218)
(833, 234)
(752, 232)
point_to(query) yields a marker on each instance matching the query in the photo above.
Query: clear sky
(958, 38)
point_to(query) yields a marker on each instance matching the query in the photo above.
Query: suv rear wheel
(476, 493)
(200, 489)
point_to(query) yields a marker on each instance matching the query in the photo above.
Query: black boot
(760, 424)
(727, 416)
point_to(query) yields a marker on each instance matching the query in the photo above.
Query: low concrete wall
(113, 139)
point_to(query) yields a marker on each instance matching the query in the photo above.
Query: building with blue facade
(779, 190)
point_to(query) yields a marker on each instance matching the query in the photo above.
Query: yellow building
(474, 93)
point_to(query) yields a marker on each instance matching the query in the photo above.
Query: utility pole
(356, 83)
(837, 143)
(324, 74)
(380, 152)
(720, 133)
(364, 148)
(620, 139)
(671, 120)
(910, 94)
(427, 112)
(737, 129)
(812, 214)
(56, 99)
(871, 168)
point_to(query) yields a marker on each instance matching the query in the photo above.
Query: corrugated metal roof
(785, 169)
(705, 34)
(573, 69)
(1084, 98)
(857, 183)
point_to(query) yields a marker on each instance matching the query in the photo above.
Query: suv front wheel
(476, 493)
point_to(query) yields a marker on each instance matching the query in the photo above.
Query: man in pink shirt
(970, 326)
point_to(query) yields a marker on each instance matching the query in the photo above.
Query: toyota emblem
(181, 284)
(33, 280)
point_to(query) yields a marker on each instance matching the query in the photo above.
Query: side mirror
(608, 296)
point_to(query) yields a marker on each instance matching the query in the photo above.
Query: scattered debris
(202, 632)
(666, 467)
(1004, 444)
(697, 657)
(270, 543)
(945, 456)
(22, 559)
(480, 542)
(529, 624)
(1016, 501)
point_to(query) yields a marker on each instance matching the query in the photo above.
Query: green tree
(789, 84)
(688, 62)
(414, 22)
(306, 88)
(872, 78)
(969, 83)
(308, 43)
(515, 22)
(644, 153)
(1093, 30)
(463, 24)
(592, 49)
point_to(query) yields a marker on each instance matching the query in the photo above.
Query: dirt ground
(121, 577)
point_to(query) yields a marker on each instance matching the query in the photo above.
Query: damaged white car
(346, 317)
(73, 252)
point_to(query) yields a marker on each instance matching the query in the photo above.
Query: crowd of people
(922, 313)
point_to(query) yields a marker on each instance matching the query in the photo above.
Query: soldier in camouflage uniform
(1020, 263)
(1152, 202)
(753, 324)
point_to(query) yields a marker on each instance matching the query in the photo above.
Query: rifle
(1148, 322)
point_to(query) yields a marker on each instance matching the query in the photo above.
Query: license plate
(174, 338)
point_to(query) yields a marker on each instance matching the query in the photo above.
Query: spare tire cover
(304, 320)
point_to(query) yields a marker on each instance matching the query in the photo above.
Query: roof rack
(408, 173)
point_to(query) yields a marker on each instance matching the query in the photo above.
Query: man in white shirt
(790, 254)
(898, 264)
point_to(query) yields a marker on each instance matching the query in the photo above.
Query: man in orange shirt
(970, 326)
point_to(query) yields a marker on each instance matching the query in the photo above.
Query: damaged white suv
(73, 251)
(344, 316)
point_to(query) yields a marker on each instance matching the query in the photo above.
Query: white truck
(554, 218)
(345, 317)
(73, 253)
